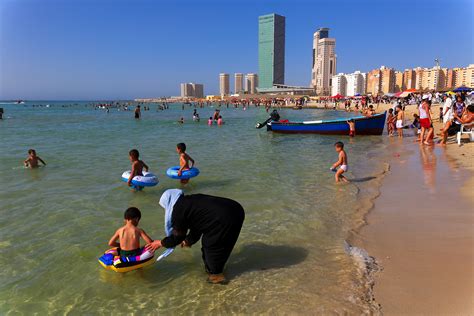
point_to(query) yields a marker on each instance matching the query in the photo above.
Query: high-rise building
(324, 61)
(251, 83)
(355, 84)
(418, 78)
(224, 84)
(187, 90)
(198, 90)
(408, 79)
(449, 78)
(374, 82)
(238, 83)
(271, 50)
(338, 84)
(387, 84)
(192, 90)
(433, 79)
(399, 81)
(464, 76)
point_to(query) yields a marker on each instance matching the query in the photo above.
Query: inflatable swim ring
(186, 174)
(147, 180)
(111, 260)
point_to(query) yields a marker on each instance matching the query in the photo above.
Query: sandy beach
(420, 229)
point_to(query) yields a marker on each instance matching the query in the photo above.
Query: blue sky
(73, 49)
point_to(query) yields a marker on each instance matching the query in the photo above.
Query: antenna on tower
(437, 62)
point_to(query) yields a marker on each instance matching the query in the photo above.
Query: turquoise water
(56, 220)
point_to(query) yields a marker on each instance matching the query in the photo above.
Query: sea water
(291, 255)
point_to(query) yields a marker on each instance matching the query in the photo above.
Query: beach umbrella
(404, 94)
(357, 95)
(398, 94)
(337, 96)
(411, 90)
(462, 89)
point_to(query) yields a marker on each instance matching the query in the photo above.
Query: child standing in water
(129, 235)
(341, 163)
(32, 160)
(352, 129)
(184, 160)
(137, 165)
(209, 122)
(400, 119)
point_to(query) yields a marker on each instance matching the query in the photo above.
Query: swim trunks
(425, 123)
(137, 115)
(352, 133)
(344, 167)
(453, 129)
(129, 253)
(399, 123)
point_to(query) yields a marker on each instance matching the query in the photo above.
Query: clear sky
(104, 49)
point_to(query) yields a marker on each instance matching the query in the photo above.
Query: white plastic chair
(465, 130)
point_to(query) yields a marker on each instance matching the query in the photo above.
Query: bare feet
(217, 279)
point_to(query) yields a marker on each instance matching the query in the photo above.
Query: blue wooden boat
(373, 125)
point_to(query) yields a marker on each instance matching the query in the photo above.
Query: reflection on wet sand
(428, 164)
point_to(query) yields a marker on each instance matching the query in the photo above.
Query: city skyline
(57, 56)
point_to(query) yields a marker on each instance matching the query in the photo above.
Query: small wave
(367, 266)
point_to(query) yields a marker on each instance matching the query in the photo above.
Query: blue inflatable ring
(147, 180)
(186, 174)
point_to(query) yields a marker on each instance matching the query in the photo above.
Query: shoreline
(423, 252)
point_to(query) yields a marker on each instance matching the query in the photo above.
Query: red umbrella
(337, 96)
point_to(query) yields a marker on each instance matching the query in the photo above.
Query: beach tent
(462, 89)
(337, 96)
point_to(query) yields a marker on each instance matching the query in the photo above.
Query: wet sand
(421, 232)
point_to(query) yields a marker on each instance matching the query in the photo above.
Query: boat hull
(373, 125)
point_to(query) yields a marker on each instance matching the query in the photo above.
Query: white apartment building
(224, 84)
(355, 84)
(338, 84)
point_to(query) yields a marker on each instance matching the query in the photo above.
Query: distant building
(324, 61)
(187, 90)
(418, 78)
(433, 79)
(281, 89)
(409, 79)
(449, 78)
(224, 84)
(464, 76)
(355, 84)
(271, 50)
(387, 84)
(338, 84)
(374, 81)
(238, 83)
(198, 90)
(399, 82)
(192, 90)
(251, 83)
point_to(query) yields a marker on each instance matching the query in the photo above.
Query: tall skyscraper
(186, 90)
(224, 84)
(324, 61)
(271, 50)
(251, 83)
(238, 83)
(192, 90)
(399, 81)
(198, 90)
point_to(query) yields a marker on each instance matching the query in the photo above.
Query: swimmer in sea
(137, 165)
(137, 112)
(32, 160)
(184, 160)
(341, 163)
